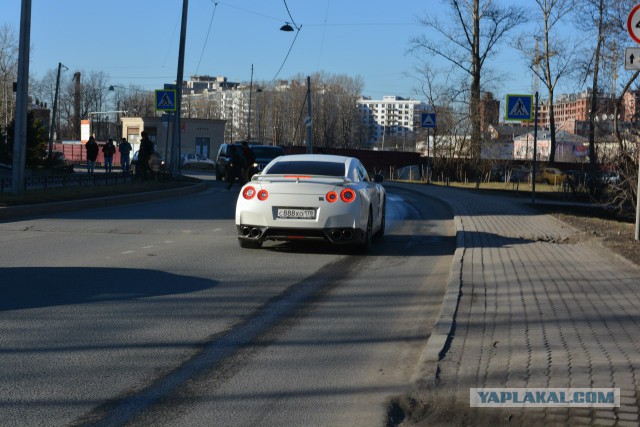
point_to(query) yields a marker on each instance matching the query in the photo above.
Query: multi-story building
(393, 116)
(572, 112)
(489, 111)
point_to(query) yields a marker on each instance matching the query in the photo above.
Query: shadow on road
(29, 287)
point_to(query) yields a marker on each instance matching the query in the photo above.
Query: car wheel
(383, 221)
(366, 245)
(249, 244)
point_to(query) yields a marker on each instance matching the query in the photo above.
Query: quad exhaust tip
(337, 235)
(252, 232)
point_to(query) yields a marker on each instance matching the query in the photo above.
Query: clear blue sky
(136, 41)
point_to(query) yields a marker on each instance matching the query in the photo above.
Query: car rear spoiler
(325, 179)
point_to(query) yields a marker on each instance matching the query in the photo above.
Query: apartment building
(572, 111)
(392, 116)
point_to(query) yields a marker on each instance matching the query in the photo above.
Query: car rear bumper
(337, 235)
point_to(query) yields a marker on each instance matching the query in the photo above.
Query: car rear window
(267, 153)
(307, 168)
(233, 149)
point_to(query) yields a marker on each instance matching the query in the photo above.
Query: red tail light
(263, 195)
(297, 176)
(347, 195)
(332, 196)
(249, 193)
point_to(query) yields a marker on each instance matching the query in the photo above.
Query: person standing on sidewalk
(147, 148)
(125, 152)
(108, 150)
(236, 165)
(92, 153)
(249, 158)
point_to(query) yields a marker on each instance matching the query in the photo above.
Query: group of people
(240, 165)
(143, 168)
(108, 150)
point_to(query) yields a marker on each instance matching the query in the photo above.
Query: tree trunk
(594, 93)
(475, 94)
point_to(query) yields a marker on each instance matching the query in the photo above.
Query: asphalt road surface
(151, 314)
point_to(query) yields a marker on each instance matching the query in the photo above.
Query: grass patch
(523, 189)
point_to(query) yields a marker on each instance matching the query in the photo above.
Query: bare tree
(553, 61)
(8, 71)
(596, 18)
(479, 26)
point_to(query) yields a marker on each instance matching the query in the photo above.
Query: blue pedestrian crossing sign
(428, 120)
(165, 100)
(520, 107)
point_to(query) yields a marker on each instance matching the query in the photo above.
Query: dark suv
(263, 154)
(224, 158)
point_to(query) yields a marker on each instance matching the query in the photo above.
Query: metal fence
(45, 182)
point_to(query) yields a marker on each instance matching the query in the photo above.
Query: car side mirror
(378, 178)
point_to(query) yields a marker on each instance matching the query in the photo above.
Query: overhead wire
(207, 37)
(297, 27)
(286, 57)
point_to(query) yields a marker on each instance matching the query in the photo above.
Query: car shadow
(387, 246)
(35, 287)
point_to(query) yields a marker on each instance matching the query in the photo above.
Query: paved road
(155, 307)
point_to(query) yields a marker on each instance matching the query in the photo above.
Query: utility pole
(175, 144)
(309, 120)
(250, 92)
(55, 107)
(22, 99)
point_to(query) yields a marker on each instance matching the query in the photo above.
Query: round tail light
(263, 195)
(249, 192)
(347, 195)
(332, 196)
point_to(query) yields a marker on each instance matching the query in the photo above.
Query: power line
(206, 38)
(286, 57)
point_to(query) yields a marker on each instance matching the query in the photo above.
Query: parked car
(224, 158)
(264, 154)
(156, 162)
(553, 176)
(196, 161)
(611, 178)
(519, 175)
(311, 197)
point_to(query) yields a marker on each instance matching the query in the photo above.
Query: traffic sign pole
(633, 27)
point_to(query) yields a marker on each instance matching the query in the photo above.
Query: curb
(72, 205)
(444, 327)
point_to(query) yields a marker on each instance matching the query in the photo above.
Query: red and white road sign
(633, 24)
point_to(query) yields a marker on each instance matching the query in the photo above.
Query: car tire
(366, 245)
(249, 244)
(383, 220)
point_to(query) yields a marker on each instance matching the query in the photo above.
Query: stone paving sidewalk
(531, 309)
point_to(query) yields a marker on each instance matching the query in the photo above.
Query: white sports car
(311, 196)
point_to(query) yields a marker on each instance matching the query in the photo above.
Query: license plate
(290, 213)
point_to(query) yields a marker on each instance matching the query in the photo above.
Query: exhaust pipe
(246, 231)
(255, 232)
(347, 234)
(335, 235)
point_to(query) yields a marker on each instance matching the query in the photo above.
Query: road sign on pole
(520, 107)
(165, 100)
(428, 120)
(633, 24)
(632, 58)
